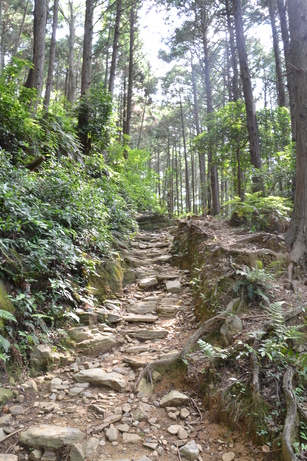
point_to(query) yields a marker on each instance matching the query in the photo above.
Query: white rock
(131, 438)
(230, 456)
(173, 399)
(50, 436)
(101, 378)
(189, 451)
(173, 286)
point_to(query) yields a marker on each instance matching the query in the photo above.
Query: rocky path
(87, 407)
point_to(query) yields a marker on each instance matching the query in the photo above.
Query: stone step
(140, 318)
(144, 307)
(145, 335)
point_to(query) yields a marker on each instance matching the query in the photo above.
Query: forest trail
(90, 410)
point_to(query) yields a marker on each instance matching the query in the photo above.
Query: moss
(5, 303)
(108, 282)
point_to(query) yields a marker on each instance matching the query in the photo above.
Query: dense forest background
(89, 136)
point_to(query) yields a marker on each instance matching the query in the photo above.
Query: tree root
(253, 255)
(255, 383)
(288, 453)
(259, 237)
(206, 326)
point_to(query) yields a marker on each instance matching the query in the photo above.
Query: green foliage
(94, 116)
(253, 281)
(212, 351)
(260, 213)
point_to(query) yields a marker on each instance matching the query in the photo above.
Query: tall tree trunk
(297, 233)
(83, 116)
(115, 46)
(130, 74)
(21, 27)
(142, 122)
(52, 55)
(36, 74)
(201, 156)
(87, 47)
(187, 183)
(71, 57)
(234, 64)
(282, 9)
(106, 76)
(281, 94)
(2, 38)
(255, 154)
(212, 168)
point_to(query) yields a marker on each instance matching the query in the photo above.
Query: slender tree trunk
(255, 154)
(87, 47)
(281, 94)
(213, 169)
(130, 74)
(201, 156)
(177, 182)
(297, 233)
(36, 74)
(282, 8)
(142, 123)
(2, 38)
(71, 57)
(107, 60)
(187, 184)
(21, 27)
(115, 46)
(52, 55)
(234, 62)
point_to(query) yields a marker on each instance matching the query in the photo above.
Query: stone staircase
(86, 408)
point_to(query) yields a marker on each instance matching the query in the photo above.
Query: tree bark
(21, 27)
(212, 168)
(2, 38)
(71, 57)
(297, 233)
(234, 64)
(52, 55)
(115, 46)
(187, 183)
(87, 47)
(255, 154)
(281, 94)
(130, 74)
(282, 9)
(35, 77)
(201, 156)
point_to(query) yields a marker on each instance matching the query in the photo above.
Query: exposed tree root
(288, 453)
(259, 237)
(205, 328)
(255, 383)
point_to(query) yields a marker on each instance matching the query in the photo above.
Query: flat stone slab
(144, 307)
(162, 277)
(5, 457)
(99, 344)
(131, 350)
(147, 334)
(173, 286)
(163, 259)
(50, 436)
(99, 377)
(148, 282)
(140, 318)
(173, 399)
(104, 315)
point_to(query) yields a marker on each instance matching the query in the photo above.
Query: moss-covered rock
(5, 395)
(108, 282)
(5, 303)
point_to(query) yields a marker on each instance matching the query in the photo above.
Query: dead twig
(11, 435)
(197, 408)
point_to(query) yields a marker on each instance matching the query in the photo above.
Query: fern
(211, 351)
(5, 315)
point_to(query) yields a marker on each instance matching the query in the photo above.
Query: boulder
(44, 358)
(232, 326)
(99, 377)
(50, 436)
(173, 286)
(148, 282)
(174, 399)
(189, 451)
(5, 395)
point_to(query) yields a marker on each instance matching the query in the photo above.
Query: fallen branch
(206, 326)
(255, 384)
(11, 435)
(288, 453)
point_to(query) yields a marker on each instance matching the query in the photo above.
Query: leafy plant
(260, 213)
(253, 281)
